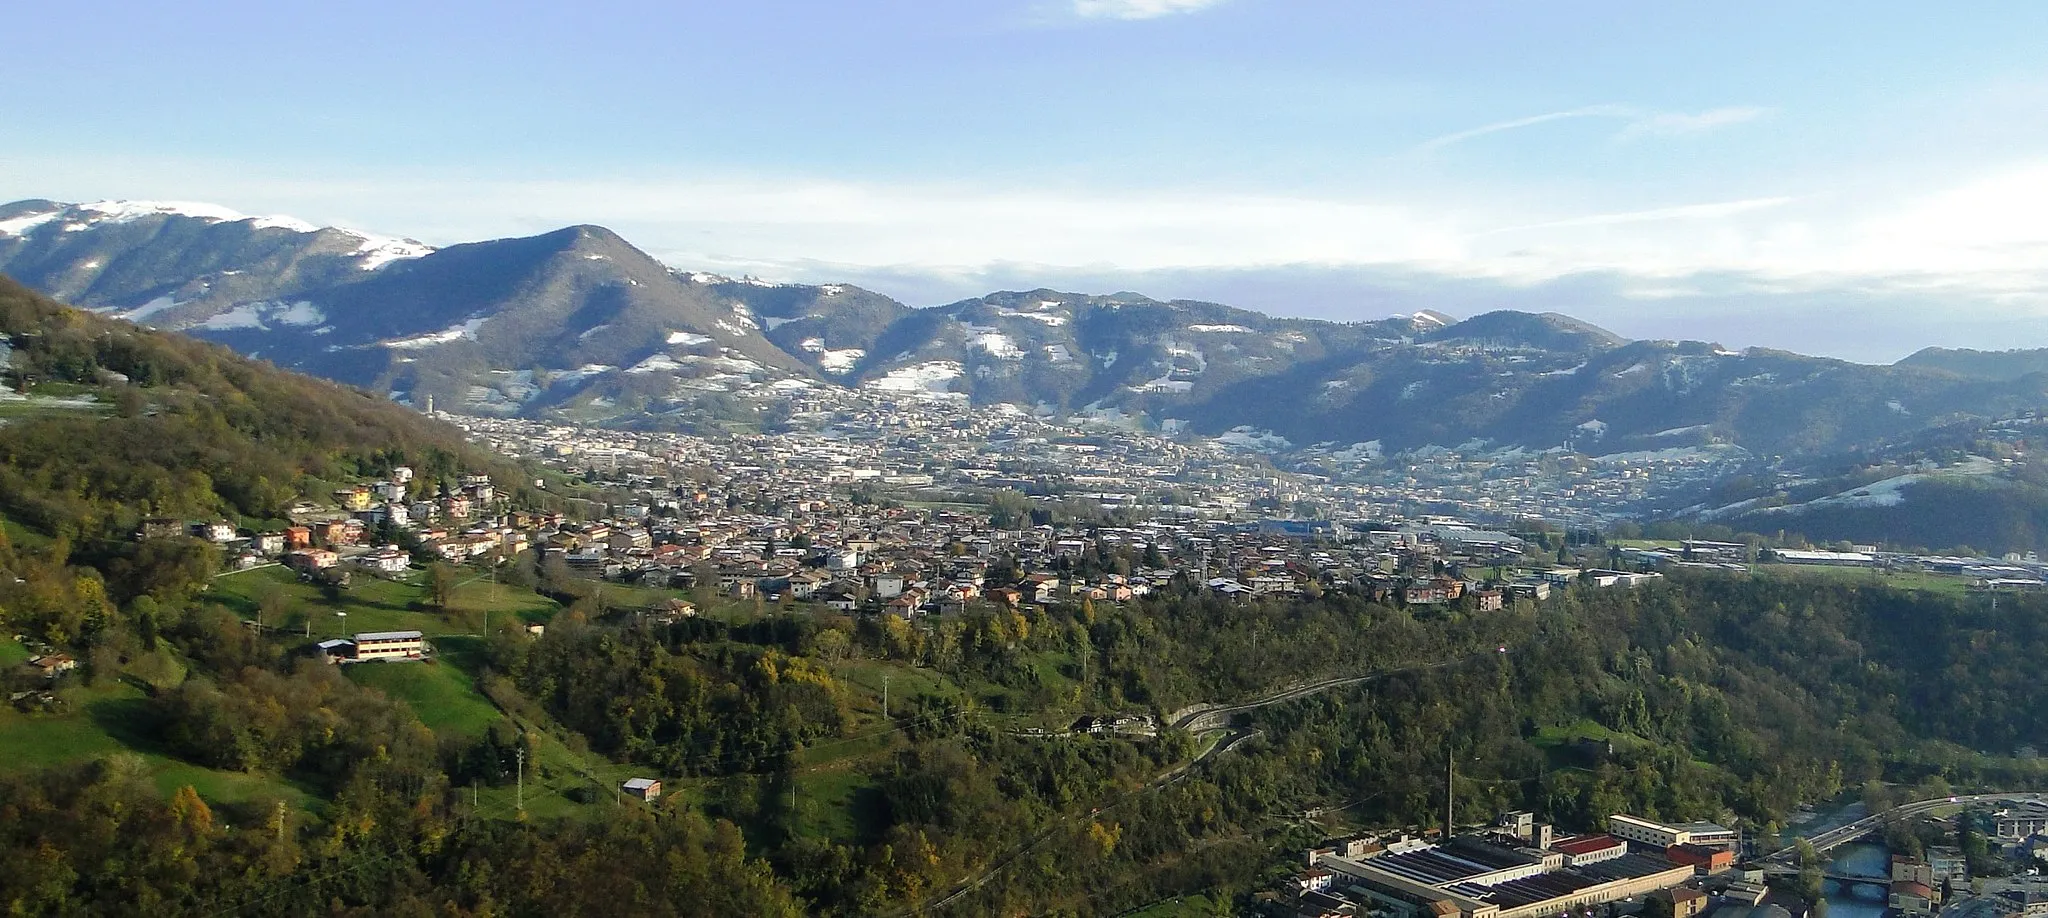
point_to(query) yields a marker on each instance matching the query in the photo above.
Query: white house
(390, 559)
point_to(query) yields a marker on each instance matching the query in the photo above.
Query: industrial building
(1658, 836)
(1477, 878)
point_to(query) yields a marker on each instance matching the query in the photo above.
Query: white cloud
(1138, 9)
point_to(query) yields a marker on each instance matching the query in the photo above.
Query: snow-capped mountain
(579, 323)
(174, 263)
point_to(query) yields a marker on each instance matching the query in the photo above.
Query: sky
(1850, 179)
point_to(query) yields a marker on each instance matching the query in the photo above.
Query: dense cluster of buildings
(856, 523)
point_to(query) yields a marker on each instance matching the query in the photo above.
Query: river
(1859, 900)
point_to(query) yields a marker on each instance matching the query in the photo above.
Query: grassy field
(480, 595)
(105, 720)
(12, 654)
(1950, 584)
(827, 803)
(1554, 736)
(48, 399)
(375, 604)
(443, 696)
(370, 604)
(21, 536)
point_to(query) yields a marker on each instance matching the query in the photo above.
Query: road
(1210, 717)
(1200, 718)
(1855, 830)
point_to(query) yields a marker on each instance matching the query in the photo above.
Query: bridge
(1787, 857)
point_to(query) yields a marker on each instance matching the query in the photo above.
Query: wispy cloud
(1591, 111)
(1138, 9)
(1641, 123)
(1675, 124)
(1709, 211)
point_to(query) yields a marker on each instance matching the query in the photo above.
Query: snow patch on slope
(572, 377)
(840, 361)
(20, 226)
(932, 378)
(459, 331)
(129, 211)
(656, 363)
(997, 345)
(259, 315)
(152, 307)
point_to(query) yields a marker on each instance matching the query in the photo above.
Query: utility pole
(885, 696)
(1450, 795)
(522, 780)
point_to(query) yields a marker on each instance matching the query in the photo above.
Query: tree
(440, 585)
(1008, 509)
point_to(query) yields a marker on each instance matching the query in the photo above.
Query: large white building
(1659, 836)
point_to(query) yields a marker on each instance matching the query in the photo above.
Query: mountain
(579, 324)
(1642, 395)
(1545, 331)
(176, 263)
(549, 322)
(1090, 354)
(1980, 364)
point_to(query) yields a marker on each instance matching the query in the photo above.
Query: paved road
(1205, 718)
(1855, 830)
(1213, 717)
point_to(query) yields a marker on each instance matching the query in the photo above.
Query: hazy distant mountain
(1980, 364)
(578, 323)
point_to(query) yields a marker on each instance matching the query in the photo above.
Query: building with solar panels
(1478, 878)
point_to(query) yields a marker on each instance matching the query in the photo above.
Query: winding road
(1204, 717)
(1197, 719)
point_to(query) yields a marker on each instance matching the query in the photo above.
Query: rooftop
(388, 636)
(1585, 844)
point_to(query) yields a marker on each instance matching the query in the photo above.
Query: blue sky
(1852, 179)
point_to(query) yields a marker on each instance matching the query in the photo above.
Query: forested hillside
(827, 764)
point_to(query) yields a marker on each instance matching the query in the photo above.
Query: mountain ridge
(577, 323)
